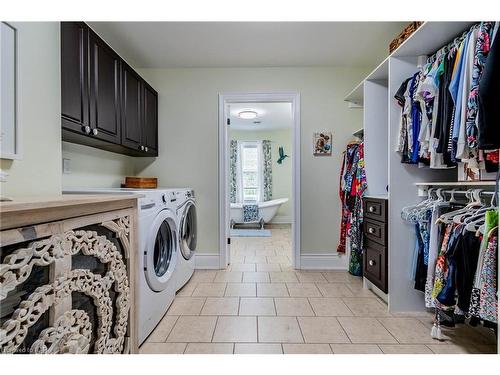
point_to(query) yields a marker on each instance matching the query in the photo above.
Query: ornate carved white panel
(88, 271)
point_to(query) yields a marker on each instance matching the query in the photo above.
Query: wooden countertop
(34, 210)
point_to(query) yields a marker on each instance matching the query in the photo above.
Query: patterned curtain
(233, 162)
(267, 171)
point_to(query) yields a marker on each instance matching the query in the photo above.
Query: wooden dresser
(67, 274)
(375, 241)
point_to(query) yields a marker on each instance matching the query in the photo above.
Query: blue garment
(457, 99)
(416, 118)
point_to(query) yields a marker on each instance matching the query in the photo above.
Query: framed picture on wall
(322, 144)
(10, 143)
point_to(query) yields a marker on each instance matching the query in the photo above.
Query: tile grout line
(300, 329)
(390, 333)
(343, 329)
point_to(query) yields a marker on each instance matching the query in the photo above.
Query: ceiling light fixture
(247, 115)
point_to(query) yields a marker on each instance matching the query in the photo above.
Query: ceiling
(272, 116)
(249, 44)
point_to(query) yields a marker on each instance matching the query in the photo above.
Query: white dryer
(186, 215)
(157, 254)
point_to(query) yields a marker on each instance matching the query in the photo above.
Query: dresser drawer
(375, 208)
(375, 265)
(375, 231)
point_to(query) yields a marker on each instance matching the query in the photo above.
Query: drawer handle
(371, 208)
(372, 263)
(371, 230)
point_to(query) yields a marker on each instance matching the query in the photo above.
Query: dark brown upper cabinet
(104, 91)
(150, 128)
(74, 76)
(104, 102)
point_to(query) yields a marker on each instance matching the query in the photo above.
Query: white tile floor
(261, 305)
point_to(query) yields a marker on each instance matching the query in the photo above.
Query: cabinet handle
(371, 230)
(95, 131)
(86, 129)
(371, 209)
(371, 263)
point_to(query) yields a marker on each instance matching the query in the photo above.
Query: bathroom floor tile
(186, 306)
(228, 277)
(236, 329)
(254, 306)
(366, 331)
(279, 329)
(272, 290)
(370, 307)
(303, 290)
(256, 277)
(209, 290)
(329, 306)
(221, 306)
(293, 307)
(241, 290)
(163, 329)
(322, 330)
(334, 290)
(193, 329)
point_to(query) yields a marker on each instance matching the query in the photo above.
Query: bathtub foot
(232, 223)
(262, 224)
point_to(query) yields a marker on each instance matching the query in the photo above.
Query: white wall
(188, 139)
(94, 168)
(282, 173)
(39, 112)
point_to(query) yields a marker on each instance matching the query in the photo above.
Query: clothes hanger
(447, 218)
(471, 209)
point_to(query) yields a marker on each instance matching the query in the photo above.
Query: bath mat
(250, 233)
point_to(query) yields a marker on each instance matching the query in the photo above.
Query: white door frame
(257, 97)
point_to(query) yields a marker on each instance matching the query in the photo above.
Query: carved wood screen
(65, 286)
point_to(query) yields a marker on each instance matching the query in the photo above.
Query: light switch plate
(66, 166)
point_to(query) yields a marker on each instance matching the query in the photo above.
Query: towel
(250, 213)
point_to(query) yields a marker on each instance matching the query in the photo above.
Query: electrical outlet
(66, 166)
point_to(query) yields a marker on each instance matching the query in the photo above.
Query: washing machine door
(188, 230)
(160, 255)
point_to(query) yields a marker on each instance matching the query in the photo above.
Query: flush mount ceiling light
(247, 115)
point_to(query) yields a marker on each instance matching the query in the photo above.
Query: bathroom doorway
(259, 189)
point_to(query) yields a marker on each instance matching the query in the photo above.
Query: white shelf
(457, 183)
(380, 73)
(356, 95)
(426, 40)
(423, 187)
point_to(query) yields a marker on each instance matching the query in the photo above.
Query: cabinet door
(104, 91)
(150, 130)
(74, 76)
(132, 118)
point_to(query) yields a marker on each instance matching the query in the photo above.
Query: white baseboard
(207, 261)
(334, 261)
(282, 219)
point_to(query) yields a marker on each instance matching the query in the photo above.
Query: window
(250, 171)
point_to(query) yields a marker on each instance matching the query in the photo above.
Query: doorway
(259, 133)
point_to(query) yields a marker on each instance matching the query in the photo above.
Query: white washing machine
(157, 256)
(186, 215)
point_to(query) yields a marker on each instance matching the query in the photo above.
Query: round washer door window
(188, 231)
(161, 252)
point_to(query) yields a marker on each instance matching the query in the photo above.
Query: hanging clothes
(449, 107)
(352, 188)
